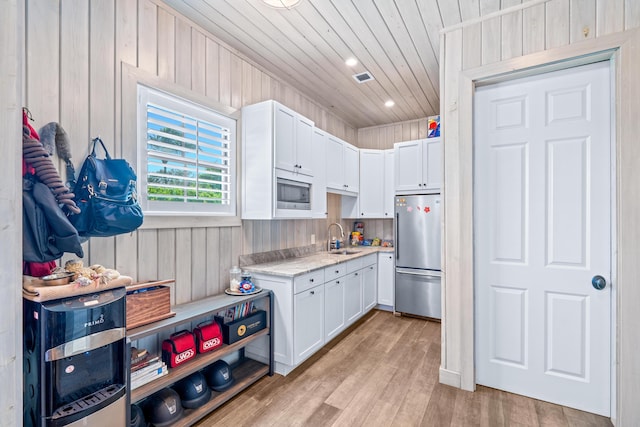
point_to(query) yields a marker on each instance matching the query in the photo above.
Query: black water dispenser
(75, 361)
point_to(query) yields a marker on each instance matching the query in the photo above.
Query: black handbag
(106, 194)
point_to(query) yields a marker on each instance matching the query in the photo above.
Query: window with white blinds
(187, 156)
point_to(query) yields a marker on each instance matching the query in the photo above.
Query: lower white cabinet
(386, 278)
(308, 317)
(313, 308)
(353, 296)
(333, 308)
(369, 287)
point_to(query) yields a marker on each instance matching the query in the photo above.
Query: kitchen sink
(343, 252)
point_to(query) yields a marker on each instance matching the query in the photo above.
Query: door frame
(458, 352)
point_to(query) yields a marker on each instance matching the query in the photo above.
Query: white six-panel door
(542, 229)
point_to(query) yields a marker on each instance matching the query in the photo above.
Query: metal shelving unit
(245, 372)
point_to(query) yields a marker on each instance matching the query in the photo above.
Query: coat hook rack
(29, 115)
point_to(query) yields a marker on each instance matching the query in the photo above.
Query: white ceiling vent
(363, 77)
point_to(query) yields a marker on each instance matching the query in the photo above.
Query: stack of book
(145, 367)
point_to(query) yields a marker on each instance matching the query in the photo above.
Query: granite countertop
(292, 267)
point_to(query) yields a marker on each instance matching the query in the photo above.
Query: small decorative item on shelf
(235, 276)
(246, 285)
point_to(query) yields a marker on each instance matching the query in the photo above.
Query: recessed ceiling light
(282, 4)
(351, 62)
(389, 103)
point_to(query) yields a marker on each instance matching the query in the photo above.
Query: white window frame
(146, 95)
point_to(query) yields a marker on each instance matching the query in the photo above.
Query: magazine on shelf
(157, 365)
(239, 311)
(148, 377)
(147, 361)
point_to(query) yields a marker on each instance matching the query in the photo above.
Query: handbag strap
(93, 150)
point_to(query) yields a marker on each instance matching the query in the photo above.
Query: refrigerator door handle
(397, 233)
(427, 273)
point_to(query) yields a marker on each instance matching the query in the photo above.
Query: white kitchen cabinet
(308, 308)
(388, 192)
(351, 168)
(276, 142)
(313, 308)
(369, 287)
(376, 184)
(319, 184)
(386, 275)
(372, 180)
(418, 165)
(293, 140)
(342, 166)
(334, 321)
(353, 296)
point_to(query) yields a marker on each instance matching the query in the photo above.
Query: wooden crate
(148, 302)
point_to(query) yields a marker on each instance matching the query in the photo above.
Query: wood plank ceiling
(397, 41)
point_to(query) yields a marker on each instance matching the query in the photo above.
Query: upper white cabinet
(319, 185)
(372, 181)
(418, 165)
(342, 166)
(376, 184)
(292, 137)
(276, 142)
(389, 181)
(351, 168)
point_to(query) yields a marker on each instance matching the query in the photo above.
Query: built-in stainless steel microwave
(293, 194)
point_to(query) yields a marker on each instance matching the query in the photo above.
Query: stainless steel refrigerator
(417, 226)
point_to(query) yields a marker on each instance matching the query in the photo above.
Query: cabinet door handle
(356, 274)
(419, 185)
(337, 281)
(313, 292)
(337, 271)
(311, 280)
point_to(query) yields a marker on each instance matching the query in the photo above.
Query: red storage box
(179, 348)
(208, 336)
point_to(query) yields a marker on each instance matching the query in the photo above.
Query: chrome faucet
(329, 234)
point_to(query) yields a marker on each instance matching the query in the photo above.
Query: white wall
(11, 212)
(74, 59)
(554, 30)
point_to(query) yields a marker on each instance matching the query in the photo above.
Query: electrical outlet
(313, 239)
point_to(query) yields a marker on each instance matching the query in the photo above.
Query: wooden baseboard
(450, 378)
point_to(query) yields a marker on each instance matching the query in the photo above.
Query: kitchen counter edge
(293, 267)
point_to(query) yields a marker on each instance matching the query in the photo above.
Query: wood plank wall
(11, 52)
(541, 31)
(73, 76)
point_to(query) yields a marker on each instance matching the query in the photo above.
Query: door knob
(598, 282)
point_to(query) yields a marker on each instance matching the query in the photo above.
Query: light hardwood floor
(383, 371)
